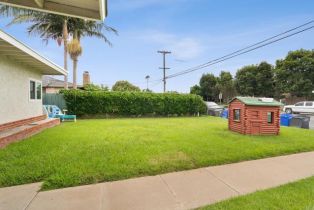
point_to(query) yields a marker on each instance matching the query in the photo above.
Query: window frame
(296, 105)
(272, 115)
(37, 82)
(234, 114)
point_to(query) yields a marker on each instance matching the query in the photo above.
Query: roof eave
(252, 104)
(14, 42)
(100, 16)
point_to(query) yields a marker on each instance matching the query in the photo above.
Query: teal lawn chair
(55, 112)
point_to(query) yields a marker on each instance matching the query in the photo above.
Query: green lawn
(91, 151)
(295, 196)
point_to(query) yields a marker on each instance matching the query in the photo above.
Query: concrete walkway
(180, 190)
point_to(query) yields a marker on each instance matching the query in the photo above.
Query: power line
(245, 50)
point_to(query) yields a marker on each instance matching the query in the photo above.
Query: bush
(90, 103)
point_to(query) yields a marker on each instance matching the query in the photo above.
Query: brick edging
(10, 125)
(27, 132)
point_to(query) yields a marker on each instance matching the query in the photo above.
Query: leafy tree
(125, 86)
(226, 86)
(245, 81)
(196, 90)
(295, 74)
(255, 80)
(208, 86)
(265, 80)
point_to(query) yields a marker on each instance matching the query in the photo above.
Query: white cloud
(183, 48)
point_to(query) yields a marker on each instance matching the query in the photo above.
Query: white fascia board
(11, 40)
(65, 10)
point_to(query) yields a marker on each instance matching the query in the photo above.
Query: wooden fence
(54, 99)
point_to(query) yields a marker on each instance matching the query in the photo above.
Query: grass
(92, 151)
(294, 196)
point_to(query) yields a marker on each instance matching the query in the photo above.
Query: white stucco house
(21, 71)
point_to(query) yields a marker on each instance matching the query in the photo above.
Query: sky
(195, 31)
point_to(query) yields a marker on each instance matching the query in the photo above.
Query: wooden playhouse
(254, 116)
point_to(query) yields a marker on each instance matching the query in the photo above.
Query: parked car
(301, 107)
(214, 109)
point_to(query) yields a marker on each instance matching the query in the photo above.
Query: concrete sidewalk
(180, 190)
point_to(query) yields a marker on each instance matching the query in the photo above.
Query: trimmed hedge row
(93, 103)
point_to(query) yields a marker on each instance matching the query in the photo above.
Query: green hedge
(99, 103)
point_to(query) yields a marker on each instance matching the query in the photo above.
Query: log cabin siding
(254, 119)
(261, 120)
(237, 126)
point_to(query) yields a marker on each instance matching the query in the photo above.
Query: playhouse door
(256, 128)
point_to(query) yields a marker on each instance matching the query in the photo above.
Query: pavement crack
(27, 206)
(172, 192)
(230, 186)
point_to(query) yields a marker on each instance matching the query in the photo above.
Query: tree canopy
(226, 86)
(295, 74)
(125, 86)
(255, 80)
(208, 84)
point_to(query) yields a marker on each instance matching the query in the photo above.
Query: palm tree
(82, 28)
(56, 27)
(75, 50)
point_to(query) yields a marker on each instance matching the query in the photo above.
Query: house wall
(14, 91)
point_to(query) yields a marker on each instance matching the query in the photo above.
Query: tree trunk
(75, 61)
(65, 42)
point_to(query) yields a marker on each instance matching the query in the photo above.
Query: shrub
(90, 103)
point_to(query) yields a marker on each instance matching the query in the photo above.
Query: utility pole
(147, 80)
(164, 68)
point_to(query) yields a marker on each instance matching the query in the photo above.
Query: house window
(38, 90)
(270, 117)
(236, 114)
(32, 93)
(35, 90)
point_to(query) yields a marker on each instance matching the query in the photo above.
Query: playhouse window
(270, 117)
(236, 114)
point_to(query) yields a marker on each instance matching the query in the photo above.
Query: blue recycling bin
(225, 113)
(285, 119)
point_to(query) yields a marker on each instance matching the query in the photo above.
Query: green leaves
(295, 73)
(101, 103)
(125, 86)
(256, 80)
